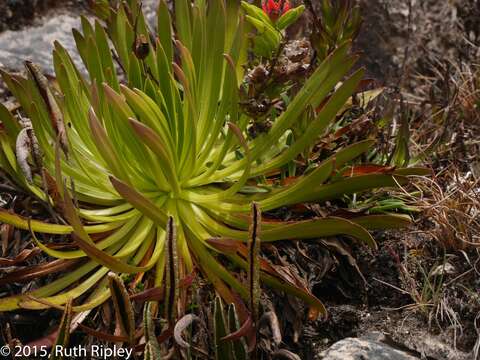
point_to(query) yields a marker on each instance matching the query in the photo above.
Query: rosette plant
(119, 157)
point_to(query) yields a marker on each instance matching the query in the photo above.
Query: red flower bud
(275, 9)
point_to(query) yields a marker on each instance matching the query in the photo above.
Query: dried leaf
(123, 306)
(53, 191)
(24, 255)
(285, 354)
(56, 115)
(33, 272)
(153, 347)
(342, 249)
(171, 273)
(6, 231)
(102, 335)
(152, 294)
(270, 318)
(181, 326)
(22, 151)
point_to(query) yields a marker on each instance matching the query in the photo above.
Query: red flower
(275, 9)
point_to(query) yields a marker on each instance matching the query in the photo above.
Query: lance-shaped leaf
(63, 335)
(153, 141)
(85, 243)
(146, 206)
(123, 307)
(105, 147)
(171, 273)
(223, 349)
(10, 123)
(254, 261)
(237, 332)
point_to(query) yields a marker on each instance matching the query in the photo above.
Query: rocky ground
(421, 298)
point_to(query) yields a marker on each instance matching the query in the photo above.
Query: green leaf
(289, 17)
(143, 204)
(63, 335)
(223, 349)
(105, 147)
(254, 262)
(239, 346)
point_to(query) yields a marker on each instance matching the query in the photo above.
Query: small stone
(445, 269)
(363, 349)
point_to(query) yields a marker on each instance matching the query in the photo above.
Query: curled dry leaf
(22, 151)
(285, 354)
(244, 330)
(27, 144)
(239, 345)
(270, 318)
(180, 327)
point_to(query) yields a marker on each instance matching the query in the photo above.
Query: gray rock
(36, 43)
(364, 349)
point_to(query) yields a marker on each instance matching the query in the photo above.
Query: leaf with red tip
(368, 169)
(152, 294)
(146, 206)
(225, 246)
(246, 329)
